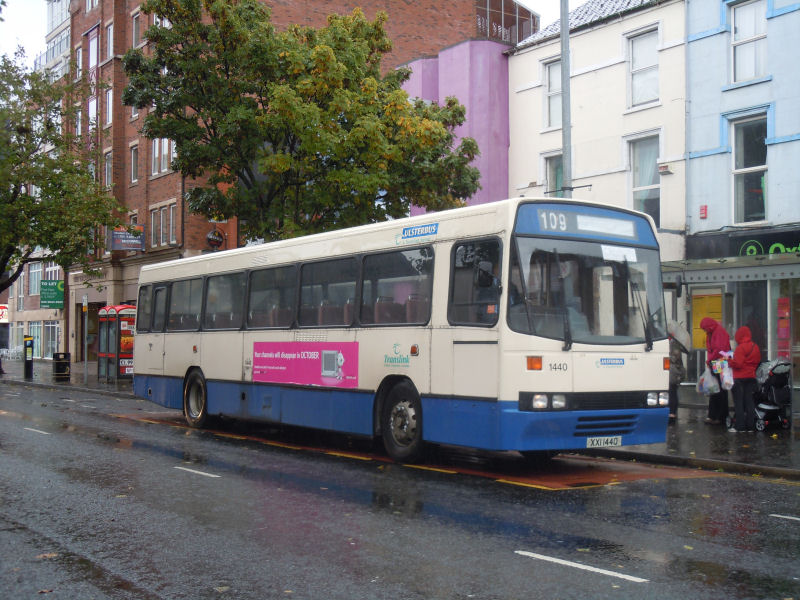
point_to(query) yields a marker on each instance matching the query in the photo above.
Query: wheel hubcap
(403, 423)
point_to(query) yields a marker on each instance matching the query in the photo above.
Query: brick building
(138, 170)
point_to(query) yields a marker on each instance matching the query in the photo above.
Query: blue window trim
(741, 84)
(724, 21)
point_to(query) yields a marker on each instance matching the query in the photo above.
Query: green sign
(51, 294)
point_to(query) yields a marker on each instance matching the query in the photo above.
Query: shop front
(741, 277)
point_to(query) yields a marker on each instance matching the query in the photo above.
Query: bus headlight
(539, 402)
(652, 398)
(663, 398)
(559, 401)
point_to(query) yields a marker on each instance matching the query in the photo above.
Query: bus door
(473, 312)
(151, 351)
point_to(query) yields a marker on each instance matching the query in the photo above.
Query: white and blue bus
(530, 325)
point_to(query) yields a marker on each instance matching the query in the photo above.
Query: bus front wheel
(401, 425)
(195, 400)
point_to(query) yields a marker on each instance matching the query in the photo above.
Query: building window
(162, 225)
(93, 48)
(78, 119)
(110, 41)
(52, 331)
(155, 227)
(109, 106)
(78, 62)
(646, 180)
(92, 113)
(553, 93)
(644, 68)
(134, 112)
(34, 278)
(750, 170)
(749, 40)
(136, 31)
(554, 172)
(161, 155)
(20, 289)
(35, 331)
(90, 4)
(51, 271)
(108, 174)
(134, 164)
(172, 220)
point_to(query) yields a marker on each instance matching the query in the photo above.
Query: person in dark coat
(743, 363)
(717, 342)
(677, 373)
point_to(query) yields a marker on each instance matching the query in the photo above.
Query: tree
(50, 203)
(295, 131)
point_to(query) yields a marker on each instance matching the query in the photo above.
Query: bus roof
(473, 221)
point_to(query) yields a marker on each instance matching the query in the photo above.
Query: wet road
(109, 498)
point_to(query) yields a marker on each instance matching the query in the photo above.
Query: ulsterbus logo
(417, 231)
(611, 362)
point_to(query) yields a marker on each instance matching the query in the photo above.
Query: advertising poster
(328, 364)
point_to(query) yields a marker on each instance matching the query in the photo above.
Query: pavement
(690, 441)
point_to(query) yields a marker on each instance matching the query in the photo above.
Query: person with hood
(743, 363)
(717, 342)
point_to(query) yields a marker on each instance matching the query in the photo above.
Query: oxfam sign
(756, 247)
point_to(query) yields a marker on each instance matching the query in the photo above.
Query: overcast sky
(25, 21)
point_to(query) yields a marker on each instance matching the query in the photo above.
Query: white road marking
(581, 566)
(36, 431)
(198, 472)
(786, 517)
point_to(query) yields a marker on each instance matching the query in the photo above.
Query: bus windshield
(590, 292)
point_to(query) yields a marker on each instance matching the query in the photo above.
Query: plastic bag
(727, 377)
(707, 384)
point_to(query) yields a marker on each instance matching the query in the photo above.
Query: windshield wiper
(643, 314)
(567, 330)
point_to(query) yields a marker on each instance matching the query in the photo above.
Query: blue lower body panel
(501, 426)
(330, 409)
(459, 422)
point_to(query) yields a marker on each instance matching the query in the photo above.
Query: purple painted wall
(475, 72)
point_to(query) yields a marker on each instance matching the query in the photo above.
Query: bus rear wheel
(195, 400)
(401, 423)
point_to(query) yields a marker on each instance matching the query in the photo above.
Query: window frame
(763, 169)
(551, 94)
(633, 72)
(633, 144)
(493, 322)
(757, 40)
(134, 163)
(109, 41)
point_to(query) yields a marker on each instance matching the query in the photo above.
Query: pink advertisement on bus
(329, 364)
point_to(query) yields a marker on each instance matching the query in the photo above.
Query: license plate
(604, 442)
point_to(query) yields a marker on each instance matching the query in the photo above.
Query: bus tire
(401, 423)
(195, 399)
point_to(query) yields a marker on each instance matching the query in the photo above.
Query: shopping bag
(727, 377)
(707, 384)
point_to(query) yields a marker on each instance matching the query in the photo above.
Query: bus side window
(271, 299)
(144, 309)
(159, 308)
(224, 301)
(184, 305)
(397, 287)
(325, 288)
(475, 284)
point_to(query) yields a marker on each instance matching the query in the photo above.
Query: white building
(628, 111)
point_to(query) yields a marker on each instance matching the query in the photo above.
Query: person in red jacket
(717, 342)
(743, 363)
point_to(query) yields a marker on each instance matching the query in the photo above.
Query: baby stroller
(773, 398)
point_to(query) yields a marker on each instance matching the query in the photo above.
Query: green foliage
(50, 203)
(294, 131)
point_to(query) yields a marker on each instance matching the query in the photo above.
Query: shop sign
(51, 294)
(215, 238)
(3, 313)
(757, 242)
(122, 239)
